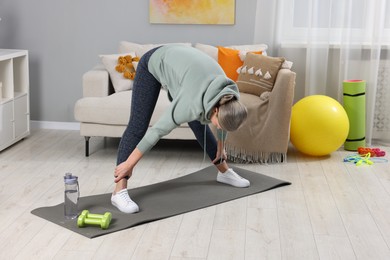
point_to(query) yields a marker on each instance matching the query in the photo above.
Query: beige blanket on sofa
(264, 137)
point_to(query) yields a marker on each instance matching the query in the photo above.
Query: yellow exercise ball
(319, 125)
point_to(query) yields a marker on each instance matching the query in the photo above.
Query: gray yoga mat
(162, 200)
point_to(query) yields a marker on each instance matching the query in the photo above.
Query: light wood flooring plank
(334, 247)
(231, 215)
(365, 237)
(45, 245)
(227, 244)
(262, 235)
(194, 234)
(120, 245)
(158, 239)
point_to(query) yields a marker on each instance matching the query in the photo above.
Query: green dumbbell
(86, 218)
(90, 215)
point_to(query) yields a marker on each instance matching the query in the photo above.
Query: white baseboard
(55, 125)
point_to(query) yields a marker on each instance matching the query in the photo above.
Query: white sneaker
(232, 178)
(122, 201)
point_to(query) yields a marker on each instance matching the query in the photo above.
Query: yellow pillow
(230, 60)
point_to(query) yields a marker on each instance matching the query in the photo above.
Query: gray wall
(64, 39)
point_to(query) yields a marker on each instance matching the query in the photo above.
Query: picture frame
(216, 12)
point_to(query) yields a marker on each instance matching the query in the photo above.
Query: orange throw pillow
(230, 61)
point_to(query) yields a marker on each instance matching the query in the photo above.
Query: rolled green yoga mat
(355, 105)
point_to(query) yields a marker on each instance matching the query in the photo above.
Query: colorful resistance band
(365, 159)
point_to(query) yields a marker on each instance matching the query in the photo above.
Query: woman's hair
(232, 113)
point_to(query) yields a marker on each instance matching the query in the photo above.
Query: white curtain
(340, 40)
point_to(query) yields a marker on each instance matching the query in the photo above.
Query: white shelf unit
(14, 97)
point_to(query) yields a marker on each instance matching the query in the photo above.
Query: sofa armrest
(284, 87)
(281, 99)
(96, 82)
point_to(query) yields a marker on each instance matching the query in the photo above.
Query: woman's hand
(220, 157)
(123, 170)
(221, 153)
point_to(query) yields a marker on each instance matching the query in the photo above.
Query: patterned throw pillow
(258, 73)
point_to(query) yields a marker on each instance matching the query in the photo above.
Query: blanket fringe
(239, 155)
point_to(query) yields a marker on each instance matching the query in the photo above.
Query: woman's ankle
(223, 167)
(120, 186)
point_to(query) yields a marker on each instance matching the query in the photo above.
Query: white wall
(64, 39)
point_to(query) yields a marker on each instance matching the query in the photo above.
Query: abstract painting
(192, 12)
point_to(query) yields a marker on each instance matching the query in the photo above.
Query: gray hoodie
(195, 83)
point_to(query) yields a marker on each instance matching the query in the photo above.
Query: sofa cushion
(113, 109)
(258, 73)
(212, 51)
(141, 49)
(119, 82)
(230, 60)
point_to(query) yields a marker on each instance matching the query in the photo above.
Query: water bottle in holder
(72, 194)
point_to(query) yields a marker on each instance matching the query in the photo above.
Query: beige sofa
(104, 112)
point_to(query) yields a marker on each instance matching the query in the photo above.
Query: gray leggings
(146, 90)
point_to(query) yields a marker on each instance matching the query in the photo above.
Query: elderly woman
(200, 93)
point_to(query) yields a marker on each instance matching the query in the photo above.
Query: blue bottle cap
(70, 179)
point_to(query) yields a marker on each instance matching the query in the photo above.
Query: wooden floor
(332, 210)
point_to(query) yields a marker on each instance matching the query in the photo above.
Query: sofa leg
(87, 145)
